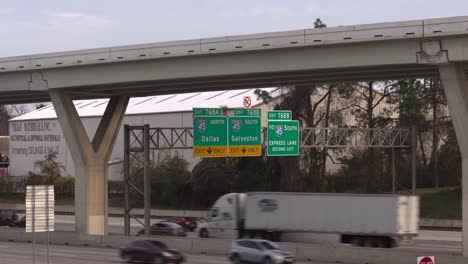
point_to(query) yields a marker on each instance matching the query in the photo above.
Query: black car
(150, 251)
(165, 229)
(8, 217)
(19, 223)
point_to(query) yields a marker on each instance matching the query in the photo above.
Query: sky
(39, 26)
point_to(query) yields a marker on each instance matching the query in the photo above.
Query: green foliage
(443, 204)
(64, 186)
(49, 166)
(263, 95)
(36, 179)
(319, 24)
(168, 178)
(354, 175)
(4, 117)
(210, 179)
(450, 160)
(49, 174)
(6, 185)
(116, 187)
(411, 106)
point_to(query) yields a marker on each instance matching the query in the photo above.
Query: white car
(258, 251)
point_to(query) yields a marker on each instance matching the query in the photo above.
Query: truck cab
(225, 218)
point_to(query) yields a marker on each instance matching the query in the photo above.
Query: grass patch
(19, 198)
(445, 203)
(11, 198)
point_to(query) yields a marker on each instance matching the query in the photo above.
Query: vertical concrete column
(90, 159)
(455, 82)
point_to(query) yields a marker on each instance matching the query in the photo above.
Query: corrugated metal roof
(156, 104)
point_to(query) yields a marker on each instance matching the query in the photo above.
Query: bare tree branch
(358, 106)
(320, 101)
(361, 93)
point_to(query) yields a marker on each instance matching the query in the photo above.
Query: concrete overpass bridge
(410, 49)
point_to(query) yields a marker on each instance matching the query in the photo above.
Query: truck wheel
(380, 242)
(369, 242)
(204, 233)
(393, 242)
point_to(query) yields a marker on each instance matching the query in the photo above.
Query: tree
(450, 158)
(48, 167)
(263, 95)
(421, 102)
(4, 117)
(17, 109)
(438, 105)
(369, 114)
(211, 178)
(319, 24)
(168, 179)
(39, 106)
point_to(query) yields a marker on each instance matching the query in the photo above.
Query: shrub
(6, 185)
(116, 187)
(64, 186)
(35, 179)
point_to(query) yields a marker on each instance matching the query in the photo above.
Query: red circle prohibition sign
(247, 102)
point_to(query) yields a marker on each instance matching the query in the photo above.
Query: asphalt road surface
(20, 253)
(428, 240)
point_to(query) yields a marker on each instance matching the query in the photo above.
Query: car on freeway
(19, 223)
(151, 251)
(7, 217)
(187, 223)
(258, 251)
(165, 229)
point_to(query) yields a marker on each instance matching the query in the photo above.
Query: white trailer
(360, 219)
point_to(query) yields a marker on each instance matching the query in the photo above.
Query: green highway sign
(210, 136)
(247, 112)
(207, 112)
(279, 115)
(283, 138)
(244, 136)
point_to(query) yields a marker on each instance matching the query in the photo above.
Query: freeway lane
(428, 240)
(20, 253)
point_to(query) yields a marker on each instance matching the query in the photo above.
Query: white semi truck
(358, 219)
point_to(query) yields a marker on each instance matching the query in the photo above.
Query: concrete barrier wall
(308, 252)
(117, 211)
(423, 222)
(445, 223)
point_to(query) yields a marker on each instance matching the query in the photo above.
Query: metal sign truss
(355, 137)
(140, 140)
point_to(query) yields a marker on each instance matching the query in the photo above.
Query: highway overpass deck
(346, 53)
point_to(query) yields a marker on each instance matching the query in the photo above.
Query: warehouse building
(38, 133)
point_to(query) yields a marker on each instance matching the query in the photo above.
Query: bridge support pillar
(455, 81)
(90, 159)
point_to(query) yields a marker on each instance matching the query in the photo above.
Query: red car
(150, 251)
(186, 223)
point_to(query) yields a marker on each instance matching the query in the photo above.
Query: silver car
(258, 251)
